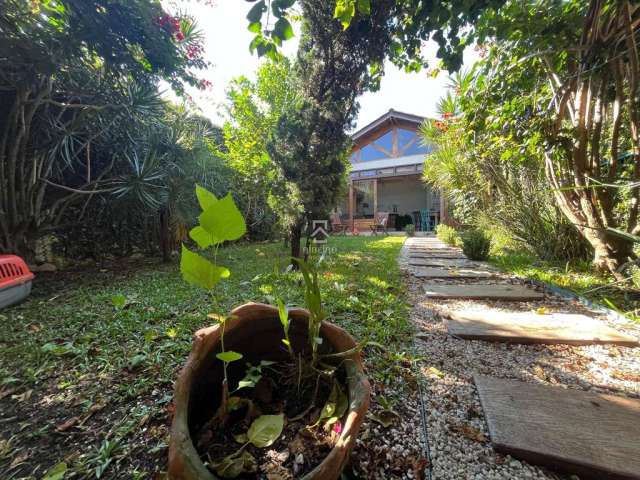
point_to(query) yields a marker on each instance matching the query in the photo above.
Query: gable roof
(391, 117)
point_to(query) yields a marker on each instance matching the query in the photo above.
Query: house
(386, 176)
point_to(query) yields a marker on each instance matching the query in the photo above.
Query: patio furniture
(337, 225)
(416, 220)
(380, 221)
(424, 220)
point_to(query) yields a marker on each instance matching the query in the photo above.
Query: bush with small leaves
(476, 244)
(447, 234)
(410, 229)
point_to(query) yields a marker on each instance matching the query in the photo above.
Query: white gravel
(459, 440)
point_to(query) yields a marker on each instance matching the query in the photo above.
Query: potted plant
(266, 388)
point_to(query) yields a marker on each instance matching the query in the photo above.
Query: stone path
(460, 441)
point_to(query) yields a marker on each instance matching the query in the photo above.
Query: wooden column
(375, 197)
(351, 204)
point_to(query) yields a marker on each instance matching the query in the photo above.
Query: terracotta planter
(255, 332)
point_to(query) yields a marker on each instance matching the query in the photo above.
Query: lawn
(89, 383)
(578, 277)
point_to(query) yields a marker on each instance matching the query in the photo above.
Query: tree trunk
(610, 252)
(164, 235)
(295, 236)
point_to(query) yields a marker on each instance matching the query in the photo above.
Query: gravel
(458, 436)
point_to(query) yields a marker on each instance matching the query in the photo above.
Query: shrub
(410, 229)
(447, 234)
(476, 244)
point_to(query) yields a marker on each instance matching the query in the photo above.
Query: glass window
(417, 148)
(354, 157)
(369, 153)
(404, 137)
(385, 141)
(363, 193)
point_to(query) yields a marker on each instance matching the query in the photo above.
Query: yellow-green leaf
(57, 472)
(199, 271)
(229, 356)
(203, 238)
(205, 197)
(223, 220)
(265, 430)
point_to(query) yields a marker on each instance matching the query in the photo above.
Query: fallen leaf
(34, 327)
(470, 432)
(434, 372)
(384, 418)
(96, 407)
(626, 376)
(419, 464)
(63, 427)
(5, 392)
(23, 396)
(18, 460)
(542, 311)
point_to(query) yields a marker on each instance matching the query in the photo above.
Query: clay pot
(256, 332)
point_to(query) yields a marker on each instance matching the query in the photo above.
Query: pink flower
(337, 427)
(180, 36)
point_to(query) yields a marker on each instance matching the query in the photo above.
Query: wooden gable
(390, 136)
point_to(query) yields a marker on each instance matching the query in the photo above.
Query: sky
(227, 48)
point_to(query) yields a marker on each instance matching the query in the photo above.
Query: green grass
(578, 277)
(69, 352)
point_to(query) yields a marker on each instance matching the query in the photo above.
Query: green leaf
(206, 199)
(345, 11)
(283, 314)
(223, 220)
(283, 29)
(119, 301)
(229, 356)
(235, 464)
(265, 430)
(57, 472)
(137, 360)
(203, 238)
(255, 14)
(59, 350)
(199, 271)
(255, 27)
(364, 7)
(241, 438)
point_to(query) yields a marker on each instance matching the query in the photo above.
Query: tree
(562, 78)
(310, 142)
(76, 78)
(253, 111)
(491, 181)
(341, 53)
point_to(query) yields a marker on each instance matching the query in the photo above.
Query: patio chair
(337, 225)
(425, 224)
(380, 221)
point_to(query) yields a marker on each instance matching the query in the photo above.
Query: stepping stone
(594, 436)
(422, 256)
(424, 260)
(451, 273)
(448, 263)
(483, 292)
(529, 327)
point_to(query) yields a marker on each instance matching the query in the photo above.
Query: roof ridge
(386, 116)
